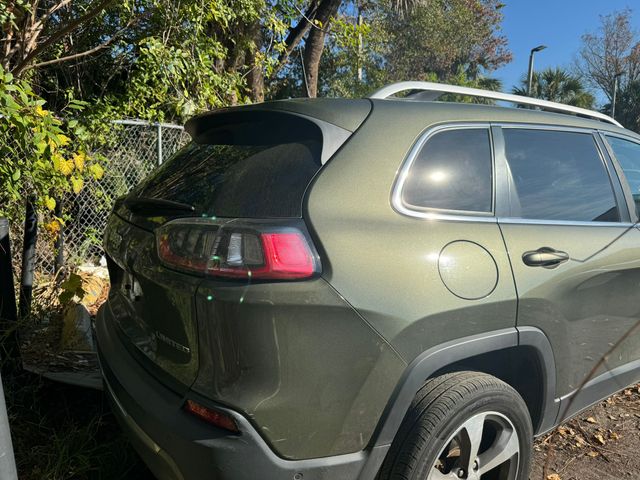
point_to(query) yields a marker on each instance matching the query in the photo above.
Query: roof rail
(432, 91)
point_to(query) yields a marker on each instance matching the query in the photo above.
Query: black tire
(439, 410)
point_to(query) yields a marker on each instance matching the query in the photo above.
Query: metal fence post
(59, 243)
(28, 257)
(159, 143)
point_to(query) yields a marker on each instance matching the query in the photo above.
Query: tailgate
(152, 306)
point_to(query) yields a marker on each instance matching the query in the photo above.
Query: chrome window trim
(623, 136)
(540, 126)
(568, 223)
(437, 213)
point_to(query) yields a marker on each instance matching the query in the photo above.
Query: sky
(558, 24)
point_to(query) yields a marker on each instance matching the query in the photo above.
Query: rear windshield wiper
(156, 205)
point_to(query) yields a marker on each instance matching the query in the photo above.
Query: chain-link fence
(139, 147)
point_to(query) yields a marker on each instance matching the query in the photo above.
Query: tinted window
(559, 176)
(628, 155)
(452, 171)
(245, 169)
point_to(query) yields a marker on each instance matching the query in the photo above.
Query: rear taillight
(235, 249)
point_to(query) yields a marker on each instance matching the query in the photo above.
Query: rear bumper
(177, 446)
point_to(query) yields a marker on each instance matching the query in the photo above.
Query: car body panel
(582, 305)
(387, 264)
(298, 361)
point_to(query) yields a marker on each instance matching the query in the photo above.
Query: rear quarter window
(452, 171)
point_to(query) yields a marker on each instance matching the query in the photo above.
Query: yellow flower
(50, 203)
(76, 184)
(97, 171)
(79, 159)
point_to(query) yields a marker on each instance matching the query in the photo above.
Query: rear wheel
(463, 425)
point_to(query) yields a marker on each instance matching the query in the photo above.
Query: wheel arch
(501, 353)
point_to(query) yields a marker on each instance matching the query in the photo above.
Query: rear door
(574, 252)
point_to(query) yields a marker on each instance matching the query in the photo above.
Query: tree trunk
(256, 74)
(314, 44)
(256, 81)
(295, 36)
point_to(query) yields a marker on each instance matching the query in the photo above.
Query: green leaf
(16, 175)
(41, 147)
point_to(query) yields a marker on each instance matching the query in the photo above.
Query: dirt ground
(601, 443)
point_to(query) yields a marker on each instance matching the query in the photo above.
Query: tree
(628, 106)
(442, 37)
(612, 49)
(360, 57)
(32, 28)
(316, 22)
(557, 85)
(194, 55)
(167, 60)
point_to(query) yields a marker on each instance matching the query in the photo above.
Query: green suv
(382, 288)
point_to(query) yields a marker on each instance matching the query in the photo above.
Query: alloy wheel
(484, 447)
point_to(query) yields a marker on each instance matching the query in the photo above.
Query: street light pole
(615, 94)
(530, 75)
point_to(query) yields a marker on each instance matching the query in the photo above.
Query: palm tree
(557, 85)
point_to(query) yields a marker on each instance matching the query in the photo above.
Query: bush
(40, 155)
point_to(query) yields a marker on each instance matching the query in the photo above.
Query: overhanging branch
(90, 51)
(55, 37)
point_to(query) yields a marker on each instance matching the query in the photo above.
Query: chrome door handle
(544, 257)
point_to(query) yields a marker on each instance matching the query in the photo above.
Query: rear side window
(244, 168)
(452, 171)
(559, 176)
(628, 155)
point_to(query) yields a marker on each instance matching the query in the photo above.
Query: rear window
(258, 168)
